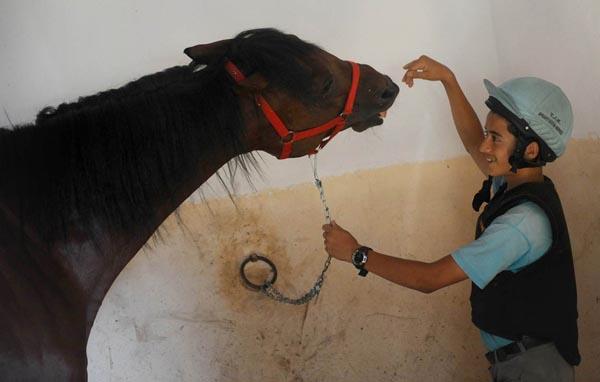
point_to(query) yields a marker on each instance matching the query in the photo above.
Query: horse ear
(207, 53)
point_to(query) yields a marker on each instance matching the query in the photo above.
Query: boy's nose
(485, 146)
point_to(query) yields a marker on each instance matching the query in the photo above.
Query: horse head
(306, 94)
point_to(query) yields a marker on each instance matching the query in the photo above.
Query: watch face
(358, 258)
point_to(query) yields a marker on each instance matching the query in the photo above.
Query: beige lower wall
(178, 312)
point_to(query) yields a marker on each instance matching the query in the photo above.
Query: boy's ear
(532, 151)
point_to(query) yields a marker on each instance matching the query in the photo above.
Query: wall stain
(239, 235)
(143, 333)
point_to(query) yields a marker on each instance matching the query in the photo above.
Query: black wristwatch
(359, 259)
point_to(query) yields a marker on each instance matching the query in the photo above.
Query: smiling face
(498, 145)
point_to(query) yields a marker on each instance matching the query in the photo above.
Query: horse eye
(327, 86)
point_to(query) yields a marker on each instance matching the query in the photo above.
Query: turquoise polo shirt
(511, 242)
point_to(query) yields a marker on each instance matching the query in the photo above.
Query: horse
(88, 183)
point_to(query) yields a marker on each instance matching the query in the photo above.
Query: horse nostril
(390, 92)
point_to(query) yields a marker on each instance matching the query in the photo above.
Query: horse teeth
(383, 114)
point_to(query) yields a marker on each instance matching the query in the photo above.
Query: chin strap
(483, 195)
(517, 159)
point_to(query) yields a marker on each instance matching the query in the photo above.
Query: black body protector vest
(541, 299)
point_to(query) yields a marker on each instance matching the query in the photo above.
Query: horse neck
(95, 249)
(97, 267)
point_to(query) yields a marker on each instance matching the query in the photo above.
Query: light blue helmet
(538, 109)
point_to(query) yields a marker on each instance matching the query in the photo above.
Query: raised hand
(428, 69)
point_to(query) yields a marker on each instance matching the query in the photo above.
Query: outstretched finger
(410, 75)
(407, 79)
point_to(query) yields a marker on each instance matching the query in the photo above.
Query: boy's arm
(467, 124)
(421, 276)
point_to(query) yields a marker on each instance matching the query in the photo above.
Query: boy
(523, 294)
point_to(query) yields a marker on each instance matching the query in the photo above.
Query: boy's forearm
(408, 273)
(465, 119)
(413, 274)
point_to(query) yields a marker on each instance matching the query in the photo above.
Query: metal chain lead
(313, 162)
(269, 290)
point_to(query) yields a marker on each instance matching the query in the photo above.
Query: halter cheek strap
(288, 137)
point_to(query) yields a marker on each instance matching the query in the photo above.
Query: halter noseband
(288, 137)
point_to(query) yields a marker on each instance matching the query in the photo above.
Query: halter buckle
(288, 138)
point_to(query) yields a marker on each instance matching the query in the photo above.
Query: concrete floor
(178, 312)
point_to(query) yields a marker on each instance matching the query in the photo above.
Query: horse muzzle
(376, 108)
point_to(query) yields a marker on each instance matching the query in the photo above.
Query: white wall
(558, 41)
(56, 51)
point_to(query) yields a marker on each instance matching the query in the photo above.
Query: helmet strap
(517, 159)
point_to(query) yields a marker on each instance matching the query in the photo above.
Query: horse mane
(108, 156)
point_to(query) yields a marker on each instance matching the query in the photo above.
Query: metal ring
(254, 258)
(289, 137)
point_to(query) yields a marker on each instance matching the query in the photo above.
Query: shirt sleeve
(499, 246)
(513, 241)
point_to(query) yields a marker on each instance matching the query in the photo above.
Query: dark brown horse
(84, 187)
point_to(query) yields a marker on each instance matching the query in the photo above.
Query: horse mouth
(374, 120)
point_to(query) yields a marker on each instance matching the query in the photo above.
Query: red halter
(288, 137)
